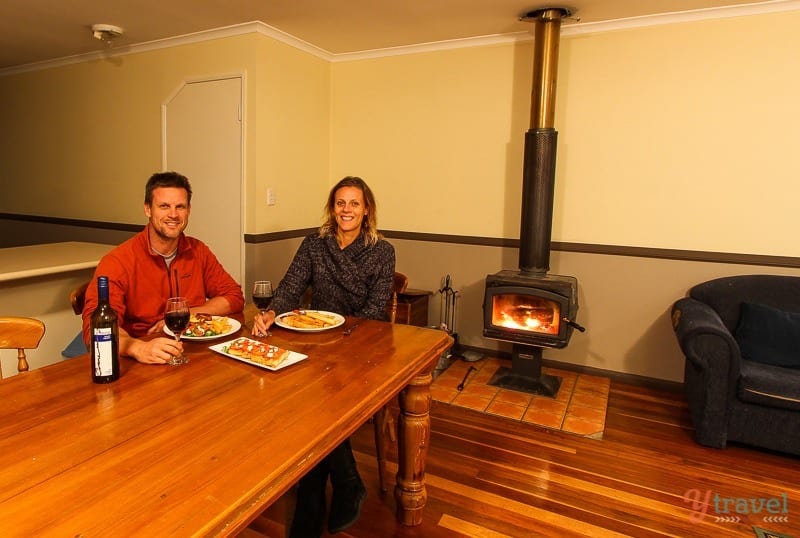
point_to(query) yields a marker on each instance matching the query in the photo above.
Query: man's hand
(155, 351)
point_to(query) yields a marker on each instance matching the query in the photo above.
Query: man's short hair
(166, 179)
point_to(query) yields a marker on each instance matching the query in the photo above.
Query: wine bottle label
(103, 350)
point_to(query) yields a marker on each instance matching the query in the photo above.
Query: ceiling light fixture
(106, 32)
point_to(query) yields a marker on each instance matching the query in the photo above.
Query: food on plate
(202, 324)
(309, 319)
(259, 352)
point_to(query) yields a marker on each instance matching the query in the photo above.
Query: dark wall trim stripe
(122, 227)
(611, 250)
(684, 255)
(586, 248)
(277, 236)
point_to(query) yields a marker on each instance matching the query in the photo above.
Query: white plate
(222, 348)
(234, 324)
(338, 323)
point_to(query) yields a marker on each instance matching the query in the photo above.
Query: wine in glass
(176, 317)
(262, 296)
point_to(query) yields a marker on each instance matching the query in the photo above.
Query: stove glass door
(526, 312)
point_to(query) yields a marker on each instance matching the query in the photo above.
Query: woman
(349, 268)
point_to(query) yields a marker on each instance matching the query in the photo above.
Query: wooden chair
(383, 422)
(78, 297)
(20, 334)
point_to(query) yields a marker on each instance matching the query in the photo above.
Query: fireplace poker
(460, 386)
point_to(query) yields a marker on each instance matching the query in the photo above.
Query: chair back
(78, 297)
(399, 285)
(20, 334)
(726, 294)
(400, 282)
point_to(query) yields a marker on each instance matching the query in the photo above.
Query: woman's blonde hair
(369, 226)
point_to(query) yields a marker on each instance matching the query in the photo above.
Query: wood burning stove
(538, 311)
(532, 312)
(531, 308)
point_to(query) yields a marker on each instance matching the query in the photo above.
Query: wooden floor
(493, 477)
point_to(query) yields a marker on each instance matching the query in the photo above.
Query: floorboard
(489, 476)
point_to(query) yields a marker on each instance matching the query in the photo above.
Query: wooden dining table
(201, 449)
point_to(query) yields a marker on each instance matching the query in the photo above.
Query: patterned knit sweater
(354, 281)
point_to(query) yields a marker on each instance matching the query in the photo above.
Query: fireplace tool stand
(447, 315)
(525, 374)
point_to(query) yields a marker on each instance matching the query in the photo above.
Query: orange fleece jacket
(139, 282)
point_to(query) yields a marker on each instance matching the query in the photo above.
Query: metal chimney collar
(532, 16)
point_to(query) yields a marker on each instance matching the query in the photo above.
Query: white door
(202, 132)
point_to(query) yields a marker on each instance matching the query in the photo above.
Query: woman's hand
(262, 322)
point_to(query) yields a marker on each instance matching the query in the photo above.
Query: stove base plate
(544, 385)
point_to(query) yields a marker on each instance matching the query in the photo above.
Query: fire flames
(526, 313)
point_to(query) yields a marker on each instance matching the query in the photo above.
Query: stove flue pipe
(539, 168)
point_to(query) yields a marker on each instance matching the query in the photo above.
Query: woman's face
(348, 207)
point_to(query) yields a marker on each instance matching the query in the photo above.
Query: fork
(350, 329)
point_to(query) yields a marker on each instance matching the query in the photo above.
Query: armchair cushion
(769, 335)
(774, 386)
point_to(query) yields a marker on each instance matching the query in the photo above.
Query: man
(157, 263)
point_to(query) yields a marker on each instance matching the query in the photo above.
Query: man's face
(168, 212)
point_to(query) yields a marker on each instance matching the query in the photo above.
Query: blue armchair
(736, 394)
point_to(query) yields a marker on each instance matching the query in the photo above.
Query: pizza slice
(259, 352)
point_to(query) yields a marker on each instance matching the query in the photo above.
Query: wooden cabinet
(412, 307)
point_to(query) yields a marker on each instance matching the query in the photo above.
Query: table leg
(413, 435)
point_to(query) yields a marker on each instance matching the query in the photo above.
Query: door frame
(242, 76)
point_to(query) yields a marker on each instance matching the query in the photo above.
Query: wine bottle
(105, 337)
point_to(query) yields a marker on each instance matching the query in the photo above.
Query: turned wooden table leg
(413, 435)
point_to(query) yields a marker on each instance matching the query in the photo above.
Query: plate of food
(259, 354)
(207, 327)
(309, 320)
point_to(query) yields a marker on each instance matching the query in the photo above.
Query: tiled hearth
(579, 407)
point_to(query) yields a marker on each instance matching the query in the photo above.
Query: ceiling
(41, 30)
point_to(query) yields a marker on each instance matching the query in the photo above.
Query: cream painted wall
(680, 136)
(437, 135)
(86, 136)
(677, 136)
(654, 123)
(290, 153)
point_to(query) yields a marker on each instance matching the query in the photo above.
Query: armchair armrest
(704, 338)
(712, 368)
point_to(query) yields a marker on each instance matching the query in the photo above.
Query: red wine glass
(262, 296)
(176, 318)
